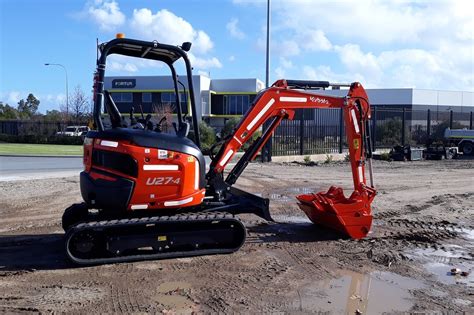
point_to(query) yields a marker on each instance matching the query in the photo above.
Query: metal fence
(318, 131)
(323, 132)
(33, 127)
(415, 127)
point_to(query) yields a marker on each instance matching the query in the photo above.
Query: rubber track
(183, 217)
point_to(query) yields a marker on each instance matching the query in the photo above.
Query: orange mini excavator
(147, 194)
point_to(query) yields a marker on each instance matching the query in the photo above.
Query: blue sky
(386, 44)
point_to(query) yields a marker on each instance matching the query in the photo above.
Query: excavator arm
(351, 215)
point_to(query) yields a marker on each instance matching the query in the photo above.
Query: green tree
(228, 130)
(208, 135)
(79, 105)
(53, 115)
(390, 132)
(437, 131)
(8, 112)
(27, 109)
(229, 126)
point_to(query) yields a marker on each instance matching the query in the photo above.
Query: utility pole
(266, 153)
(67, 90)
(267, 72)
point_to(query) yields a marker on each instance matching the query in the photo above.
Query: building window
(170, 98)
(236, 104)
(146, 97)
(231, 104)
(122, 97)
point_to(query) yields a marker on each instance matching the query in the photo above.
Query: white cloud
(415, 68)
(280, 73)
(384, 43)
(284, 65)
(203, 42)
(204, 63)
(122, 67)
(356, 60)
(286, 48)
(232, 58)
(234, 30)
(106, 14)
(166, 27)
(13, 97)
(163, 26)
(120, 63)
(314, 40)
(380, 21)
(204, 73)
(325, 73)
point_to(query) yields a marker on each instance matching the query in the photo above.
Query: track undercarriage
(156, 237)
(100, 237)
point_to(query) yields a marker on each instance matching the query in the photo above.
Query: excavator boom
(350, 215)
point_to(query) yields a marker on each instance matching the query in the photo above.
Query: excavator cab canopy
(154, 50)
(146, 50)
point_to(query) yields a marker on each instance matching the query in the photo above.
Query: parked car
(73, 131)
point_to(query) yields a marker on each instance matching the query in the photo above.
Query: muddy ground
(423, 227)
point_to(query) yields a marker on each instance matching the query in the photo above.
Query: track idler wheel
(74, 214)
(86, 244)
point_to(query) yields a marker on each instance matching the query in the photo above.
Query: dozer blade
(181, 235)
(350, 216)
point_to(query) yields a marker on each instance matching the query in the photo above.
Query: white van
(73, 131)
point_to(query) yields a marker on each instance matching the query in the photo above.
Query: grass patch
(39, 149)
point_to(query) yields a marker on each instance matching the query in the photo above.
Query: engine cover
(119, 172)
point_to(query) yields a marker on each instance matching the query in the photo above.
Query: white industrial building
(221, 99)
(216, 99)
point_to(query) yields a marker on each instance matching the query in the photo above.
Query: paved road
(19, 167)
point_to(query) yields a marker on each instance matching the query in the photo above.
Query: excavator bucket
(350, 216)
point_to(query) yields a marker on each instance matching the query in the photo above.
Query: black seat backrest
(183, 130)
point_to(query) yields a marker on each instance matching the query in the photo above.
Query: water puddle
(439, 262)
(443, 274)
(468, 233)
(280, 218)
(446, 255)
(288, 194)
(175, 296)
(301, 190)
(372, 293)
(280, 198)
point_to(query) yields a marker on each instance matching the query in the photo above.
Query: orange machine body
(161, 178)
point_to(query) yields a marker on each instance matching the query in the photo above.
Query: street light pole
(67, 90)
(266, 152)
(267, 67)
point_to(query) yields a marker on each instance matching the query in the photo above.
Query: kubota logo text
(319, 100)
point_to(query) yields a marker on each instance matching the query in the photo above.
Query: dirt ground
(423, 227)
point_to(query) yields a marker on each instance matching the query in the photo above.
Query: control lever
(148, 123)
(158, 127)
(133, 121)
